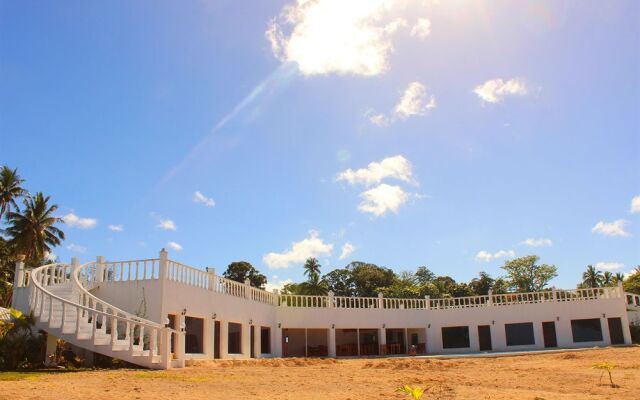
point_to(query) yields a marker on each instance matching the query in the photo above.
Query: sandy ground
(566, 375)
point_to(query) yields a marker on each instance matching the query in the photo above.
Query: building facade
(159, 313)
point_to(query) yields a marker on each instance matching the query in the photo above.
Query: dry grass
(543, 376)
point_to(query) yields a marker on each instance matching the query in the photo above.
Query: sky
(451, 134)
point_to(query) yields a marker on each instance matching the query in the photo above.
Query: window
(586, 330)
(519, 334)
(265, 340)
(455, 337)
(235, 337)
(193, 335)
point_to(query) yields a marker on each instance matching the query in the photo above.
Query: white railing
(90, 322)
(162, 268)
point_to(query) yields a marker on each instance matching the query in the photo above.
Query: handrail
(128, 315)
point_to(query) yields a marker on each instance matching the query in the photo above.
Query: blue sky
(402, 133)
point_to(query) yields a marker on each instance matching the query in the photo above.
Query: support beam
(332, 342)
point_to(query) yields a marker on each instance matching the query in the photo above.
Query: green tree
(340, 282)
(632, 283)
(7, 269)
(311, 267)
(618, 277)
(524, 275)
(480, 286)
(607, 279)
(10, 190)
(370, 279)
(424, 275)
(32, 232)
(19, 346)
(445, 286)
(239, 271)
(404, 285)
(592, 278)
(500, 286)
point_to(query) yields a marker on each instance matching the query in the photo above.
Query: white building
(158, 313)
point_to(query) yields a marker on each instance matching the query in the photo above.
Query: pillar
(52, 343)
(224, 339)
(212, 275)
(382, 340)
(380, 301)
(163, 272)
(277, 341)
(100, 269)
(332, 342)
(179, 349)
(18, 279)
(208, 332)
(331, 301)
(245, 339)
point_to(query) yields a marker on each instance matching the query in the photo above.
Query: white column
(332, 342)
(52, 343)
(224, 339)
(380, 301)
(606, 337)
(207, 337)
(331, 296)
(162, 280)
(100, 268)
(245, 339)
(179, 349)
(247, 288)
(382, 340)
(18, 279)
(212, 274)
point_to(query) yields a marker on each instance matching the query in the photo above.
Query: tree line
(361, 279)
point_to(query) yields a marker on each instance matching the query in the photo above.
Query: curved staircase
(63, 307)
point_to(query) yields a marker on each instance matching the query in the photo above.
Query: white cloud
(382, 198)
(336, 36)
(396, 167)
(487, 256)
(76, 248)
(347, 249)
(495, 90)
(414, 101)
(198, 197)
(609, 266)
(615, 228)
(174, 246)
(116, 228)
(276, 284)
(167, 225)
(635, 205)
(531, 242)
(83, 223)
(422, 28)
(312, 246)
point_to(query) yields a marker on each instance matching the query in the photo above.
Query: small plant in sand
(605, 367)
(415, 393)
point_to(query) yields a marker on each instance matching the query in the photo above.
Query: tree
(7, 270)
(369, 279)
(480, 286)
(632, 283)
(340, 282)
(239, 271)
(500, 286)
(524, 275)
(10, 190)
(424, 275)
(403, 286)
(592, 278)
(618, 277)
(607, 279)
(311, 267)
(33, 230)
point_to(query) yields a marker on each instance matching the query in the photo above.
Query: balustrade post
(427, 302)
(152, 344)
(212, 278)
(620, 289)
(247, 288)
(100, 268)
(18, 279)
(490, 294)
(74, 263)
(380, 301)
(331, 303)
(554, 294)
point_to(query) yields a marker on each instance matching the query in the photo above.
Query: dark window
(235, 337)
(615, 331)
(519, 334)
(455, 337)
(193, 335)
(265, 340)
(484, 337)
(586, 330)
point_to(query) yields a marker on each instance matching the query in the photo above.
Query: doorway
(216, 341)
(253, 346)
(615, 331)
(549, 334)
(484, 336)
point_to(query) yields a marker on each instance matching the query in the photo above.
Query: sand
(565, 375)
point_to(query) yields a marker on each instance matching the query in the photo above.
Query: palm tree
(618, 277)
(607, 278)
(592, 277)
(314, 286)
(10, 190)
(32, 231)
(312, 267)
